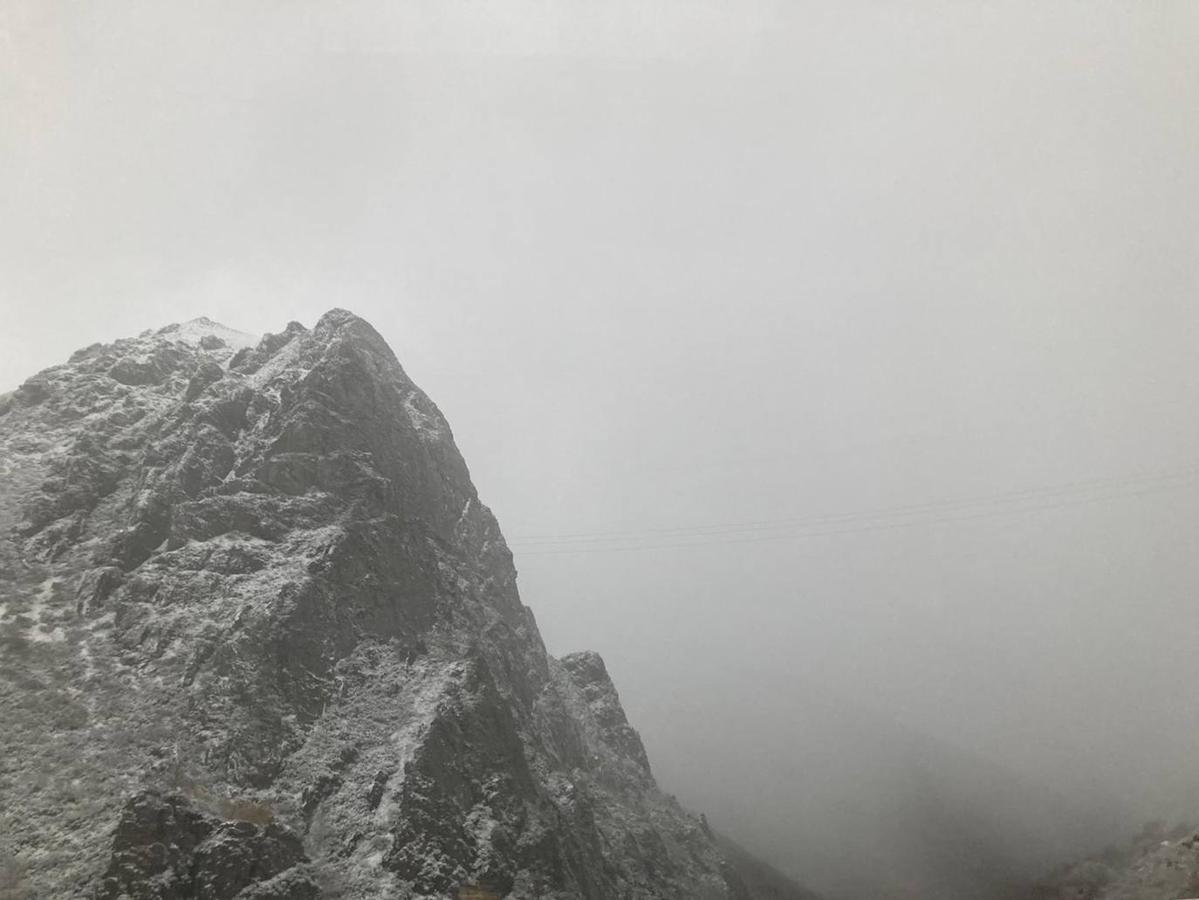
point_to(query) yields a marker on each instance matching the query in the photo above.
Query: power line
(933, 506)
(1009, 503)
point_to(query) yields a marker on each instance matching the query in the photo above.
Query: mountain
(259, 639)
(888, 812)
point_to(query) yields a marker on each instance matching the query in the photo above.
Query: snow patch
(287, 359)
(426, 425)
(87, 664)
(54, 636)
(195, 330)
(41, 632)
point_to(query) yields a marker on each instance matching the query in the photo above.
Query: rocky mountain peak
(255, 613)
(208, 334)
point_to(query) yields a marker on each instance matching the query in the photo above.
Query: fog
(830, 366)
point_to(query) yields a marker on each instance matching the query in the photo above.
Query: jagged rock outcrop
(164, 848)
(260, 639)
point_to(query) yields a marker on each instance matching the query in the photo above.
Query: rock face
(260, 639)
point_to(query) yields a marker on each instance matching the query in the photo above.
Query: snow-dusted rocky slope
(1159, 864)
(260, 639)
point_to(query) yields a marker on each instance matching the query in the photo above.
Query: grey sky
(681, 264)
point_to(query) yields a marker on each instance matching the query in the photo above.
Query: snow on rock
(426, 422)
(203, 332)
